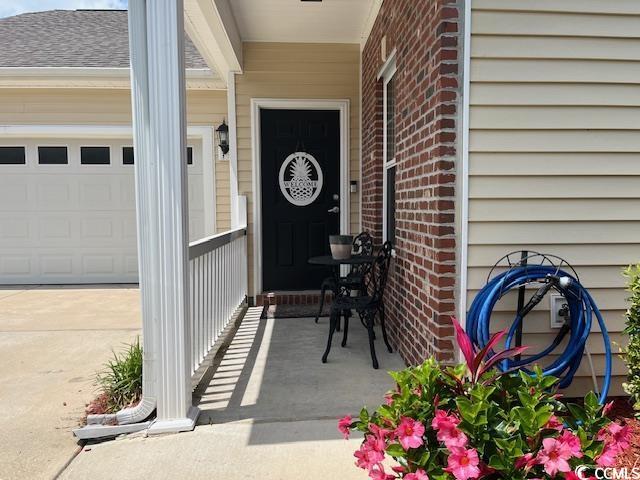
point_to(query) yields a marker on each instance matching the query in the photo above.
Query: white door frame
(342, 106)
(203, 133)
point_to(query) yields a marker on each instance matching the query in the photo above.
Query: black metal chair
(362, 245)
(368, 305)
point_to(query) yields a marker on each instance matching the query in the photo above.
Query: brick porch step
(305, 297)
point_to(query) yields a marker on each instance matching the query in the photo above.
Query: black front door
(300, 183)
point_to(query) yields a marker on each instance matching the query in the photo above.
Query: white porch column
(157, 58)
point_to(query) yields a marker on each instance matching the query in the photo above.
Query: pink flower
(608, 456)
(370, 453)
(377, 473)
(344, 425)
(388, 398)
(554, 456)
(409, 433)
(616, 438)
(620, 435)
(463, 463)
(572, 442)
(442, 420)
(607, 408)
(381, 433)
(453, 438)
(419, 475)
(573, 476)
(554, 423)
(375, 443)
(527, 461)
(447, 427)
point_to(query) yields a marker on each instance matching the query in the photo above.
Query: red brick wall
(420, 294)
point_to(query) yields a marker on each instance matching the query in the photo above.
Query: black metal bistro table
(335, 264)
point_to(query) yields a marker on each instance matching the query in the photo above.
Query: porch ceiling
(326, 21)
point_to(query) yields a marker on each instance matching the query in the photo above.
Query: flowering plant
(472, 422)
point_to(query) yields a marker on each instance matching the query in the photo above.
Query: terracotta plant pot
(341, 246)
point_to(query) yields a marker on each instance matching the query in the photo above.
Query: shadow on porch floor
(272, 372)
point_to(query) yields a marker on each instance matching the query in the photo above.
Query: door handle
(334, 210)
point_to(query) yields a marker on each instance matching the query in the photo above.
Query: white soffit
(328, 21)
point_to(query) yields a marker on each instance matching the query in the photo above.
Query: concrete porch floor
(269, 412)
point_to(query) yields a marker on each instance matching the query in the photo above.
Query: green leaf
(577, 411)
(396, 450)
(468, 410)
(543, 416)
(498, 463)
(364, 415)
(424, 459)
(526, 399)
(591, 401)
(507, 446)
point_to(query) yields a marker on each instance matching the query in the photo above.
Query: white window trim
(386, 73)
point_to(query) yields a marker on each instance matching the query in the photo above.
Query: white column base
(176, 425)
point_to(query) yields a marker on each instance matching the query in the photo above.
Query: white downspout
(141, 140)
(233, 150)
(102, 425)
(464, 186)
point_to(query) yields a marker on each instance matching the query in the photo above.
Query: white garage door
(67, 210)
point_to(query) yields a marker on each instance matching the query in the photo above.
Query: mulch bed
(622, 411)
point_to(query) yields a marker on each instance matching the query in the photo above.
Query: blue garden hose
(581, 310)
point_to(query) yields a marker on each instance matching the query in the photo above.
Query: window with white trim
(389, 151)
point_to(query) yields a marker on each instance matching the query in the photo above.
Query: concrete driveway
(269, 411)
(52, 342)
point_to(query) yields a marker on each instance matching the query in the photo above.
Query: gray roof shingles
(72, 38)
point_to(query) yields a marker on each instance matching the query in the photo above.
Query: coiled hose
(581, 310)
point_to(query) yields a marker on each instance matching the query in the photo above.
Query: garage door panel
(13, 194)
(54, 229)
(99, 264)
(127, 192)
(54, 193)
(17, 265)
(130, 264)
(76, 223)
(14, 229)
(57, 264)
(129, 229)
(196, 225)
(98, 196)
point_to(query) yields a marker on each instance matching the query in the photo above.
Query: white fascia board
(213, 30)
(93, 77)
(88, 131)
(376, 5)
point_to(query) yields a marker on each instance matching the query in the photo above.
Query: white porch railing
(218, 287)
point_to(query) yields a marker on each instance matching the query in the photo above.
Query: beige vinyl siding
(112, 107)
(296, 71)
(554, 157)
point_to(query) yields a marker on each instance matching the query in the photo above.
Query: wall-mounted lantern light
(222, 133)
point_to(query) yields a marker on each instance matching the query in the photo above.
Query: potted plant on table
(471, 421)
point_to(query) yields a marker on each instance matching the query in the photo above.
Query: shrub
(121, 380)
(632, 352)
(472, 422)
